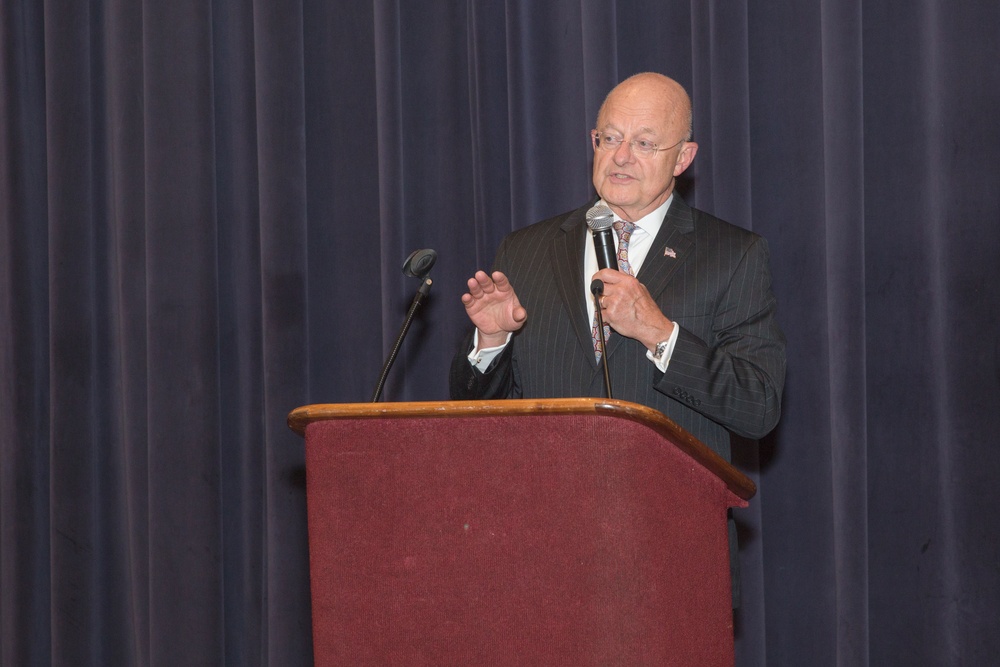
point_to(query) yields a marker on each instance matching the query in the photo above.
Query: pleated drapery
(204, 208)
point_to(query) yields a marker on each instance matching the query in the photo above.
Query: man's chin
(616, 202)
(615, 194)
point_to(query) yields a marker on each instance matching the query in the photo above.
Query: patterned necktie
(624, 231)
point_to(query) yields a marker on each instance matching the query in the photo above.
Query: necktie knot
(624, 228)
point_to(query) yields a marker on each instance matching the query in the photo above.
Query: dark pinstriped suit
(728, 368)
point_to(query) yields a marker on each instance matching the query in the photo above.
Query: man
(693, 331)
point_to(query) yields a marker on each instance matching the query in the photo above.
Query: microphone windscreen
(419, 263)
(600, 217)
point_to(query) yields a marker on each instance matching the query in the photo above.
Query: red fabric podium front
(552, 532)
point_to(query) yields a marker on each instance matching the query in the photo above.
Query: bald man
(692, 319)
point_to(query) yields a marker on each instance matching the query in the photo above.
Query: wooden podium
(518, 532)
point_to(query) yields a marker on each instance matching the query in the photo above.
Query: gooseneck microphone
(417, 265)
(600, 219)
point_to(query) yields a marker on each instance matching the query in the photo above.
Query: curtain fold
(204, 209)
(844, 249)
(281, 122)
(182, 335)
(242, 460)
(25, 587)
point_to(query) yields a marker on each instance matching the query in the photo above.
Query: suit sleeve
(466, 382)
(737, 378)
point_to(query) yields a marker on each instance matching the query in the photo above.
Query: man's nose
(624, 153)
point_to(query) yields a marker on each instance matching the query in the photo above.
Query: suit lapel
(567, 259)
(672, 245)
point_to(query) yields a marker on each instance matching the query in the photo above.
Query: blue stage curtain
(204, 208)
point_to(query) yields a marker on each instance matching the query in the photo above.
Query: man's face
(634, 185)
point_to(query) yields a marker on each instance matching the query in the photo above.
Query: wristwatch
(661, 349)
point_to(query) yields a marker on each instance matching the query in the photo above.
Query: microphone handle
(604, 246)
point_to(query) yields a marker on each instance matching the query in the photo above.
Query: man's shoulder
(564, 222)
(705, 224)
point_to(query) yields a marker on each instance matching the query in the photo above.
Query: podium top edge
(743, 487)
(301, 417)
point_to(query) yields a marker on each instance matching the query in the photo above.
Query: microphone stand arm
(597, 289)
(418, 299)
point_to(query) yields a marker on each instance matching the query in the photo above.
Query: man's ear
(685, 157)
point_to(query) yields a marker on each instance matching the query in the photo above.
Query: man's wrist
(661, 352)
(658, 337)
(492, 340)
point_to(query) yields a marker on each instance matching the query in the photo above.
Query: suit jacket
(708, 276)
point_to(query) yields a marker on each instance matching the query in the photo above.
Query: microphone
(597, 289)
(600, 219)
(417, 265)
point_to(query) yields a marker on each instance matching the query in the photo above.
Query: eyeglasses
(640, 147)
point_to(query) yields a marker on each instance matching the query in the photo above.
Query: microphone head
(419, 263)
(600, 217)
(597, 287)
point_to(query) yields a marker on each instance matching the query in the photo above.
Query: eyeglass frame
(656, 148)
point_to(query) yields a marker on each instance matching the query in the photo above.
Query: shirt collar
(652, 221)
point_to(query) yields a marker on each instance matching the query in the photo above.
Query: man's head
(641, 112)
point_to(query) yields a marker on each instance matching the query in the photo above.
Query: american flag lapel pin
(669, 252)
